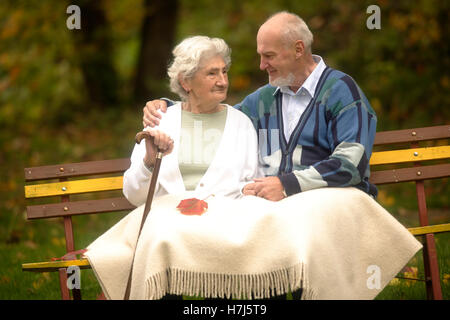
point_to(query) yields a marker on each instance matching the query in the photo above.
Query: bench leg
(65, 295)
(432, 277)
(433, 282)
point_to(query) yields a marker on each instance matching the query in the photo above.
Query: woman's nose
(222, 80)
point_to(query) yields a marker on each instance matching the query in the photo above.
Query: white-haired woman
(212, 146)
(210, 149)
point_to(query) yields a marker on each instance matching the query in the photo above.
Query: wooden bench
(94, 178)
(428, 162)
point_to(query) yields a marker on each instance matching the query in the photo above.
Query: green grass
(40, 240)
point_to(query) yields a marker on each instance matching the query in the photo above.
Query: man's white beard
(283, 81)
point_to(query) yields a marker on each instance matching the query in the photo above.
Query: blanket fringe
(227, 286)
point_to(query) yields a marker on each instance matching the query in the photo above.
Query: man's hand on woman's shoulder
(151, 115)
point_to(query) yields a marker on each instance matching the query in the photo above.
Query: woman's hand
(159, 141)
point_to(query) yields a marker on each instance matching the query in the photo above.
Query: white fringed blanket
(335, 243)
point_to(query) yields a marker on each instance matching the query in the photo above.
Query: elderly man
(315, 126)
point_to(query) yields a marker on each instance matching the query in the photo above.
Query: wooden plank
(76, 169)
(409, 135)
(78, 208)
(410, 155)
(73, 187)
(430, 229)
(49, 266)
(84, 263)
(410, 174)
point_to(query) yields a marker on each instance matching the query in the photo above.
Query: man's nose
(262, 64)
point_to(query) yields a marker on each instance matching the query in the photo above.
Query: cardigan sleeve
(252, 167)
(136, 179)
(169, 101)
(350, 132)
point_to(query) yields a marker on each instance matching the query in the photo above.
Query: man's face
(276, 59)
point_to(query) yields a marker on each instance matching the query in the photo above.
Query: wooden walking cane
(151, 191)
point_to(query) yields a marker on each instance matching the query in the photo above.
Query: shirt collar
(311, 82)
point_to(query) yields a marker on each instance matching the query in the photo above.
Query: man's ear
(299, 48)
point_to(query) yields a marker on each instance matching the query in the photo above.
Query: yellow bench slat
(430, 229)
(55, 265)
(84, 263)
(73, 187)
(410, 155)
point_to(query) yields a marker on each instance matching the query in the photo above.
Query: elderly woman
(214, 146)
(210, 150)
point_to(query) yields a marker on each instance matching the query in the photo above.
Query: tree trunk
(158, 33)
(94, 45)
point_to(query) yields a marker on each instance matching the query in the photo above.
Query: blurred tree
(93, 42)
(157, 37)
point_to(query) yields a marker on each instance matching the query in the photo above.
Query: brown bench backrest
(99, 177)
(413, 155)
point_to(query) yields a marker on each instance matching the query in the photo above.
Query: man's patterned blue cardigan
(331, 144)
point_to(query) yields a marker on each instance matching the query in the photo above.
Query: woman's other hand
(160, 141)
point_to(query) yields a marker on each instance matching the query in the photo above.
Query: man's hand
(151, 115)
(269, 188)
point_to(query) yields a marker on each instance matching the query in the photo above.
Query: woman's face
(209, 85)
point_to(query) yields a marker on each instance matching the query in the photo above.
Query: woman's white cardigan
(234, 164)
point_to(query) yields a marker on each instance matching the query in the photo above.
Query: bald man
(315, 126)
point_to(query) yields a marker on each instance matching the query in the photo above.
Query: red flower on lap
(192, 206)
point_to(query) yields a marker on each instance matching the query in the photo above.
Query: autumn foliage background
(77, 95)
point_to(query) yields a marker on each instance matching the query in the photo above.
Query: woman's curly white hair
(189, 56)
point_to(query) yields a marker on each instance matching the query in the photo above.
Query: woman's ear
(184, 83)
